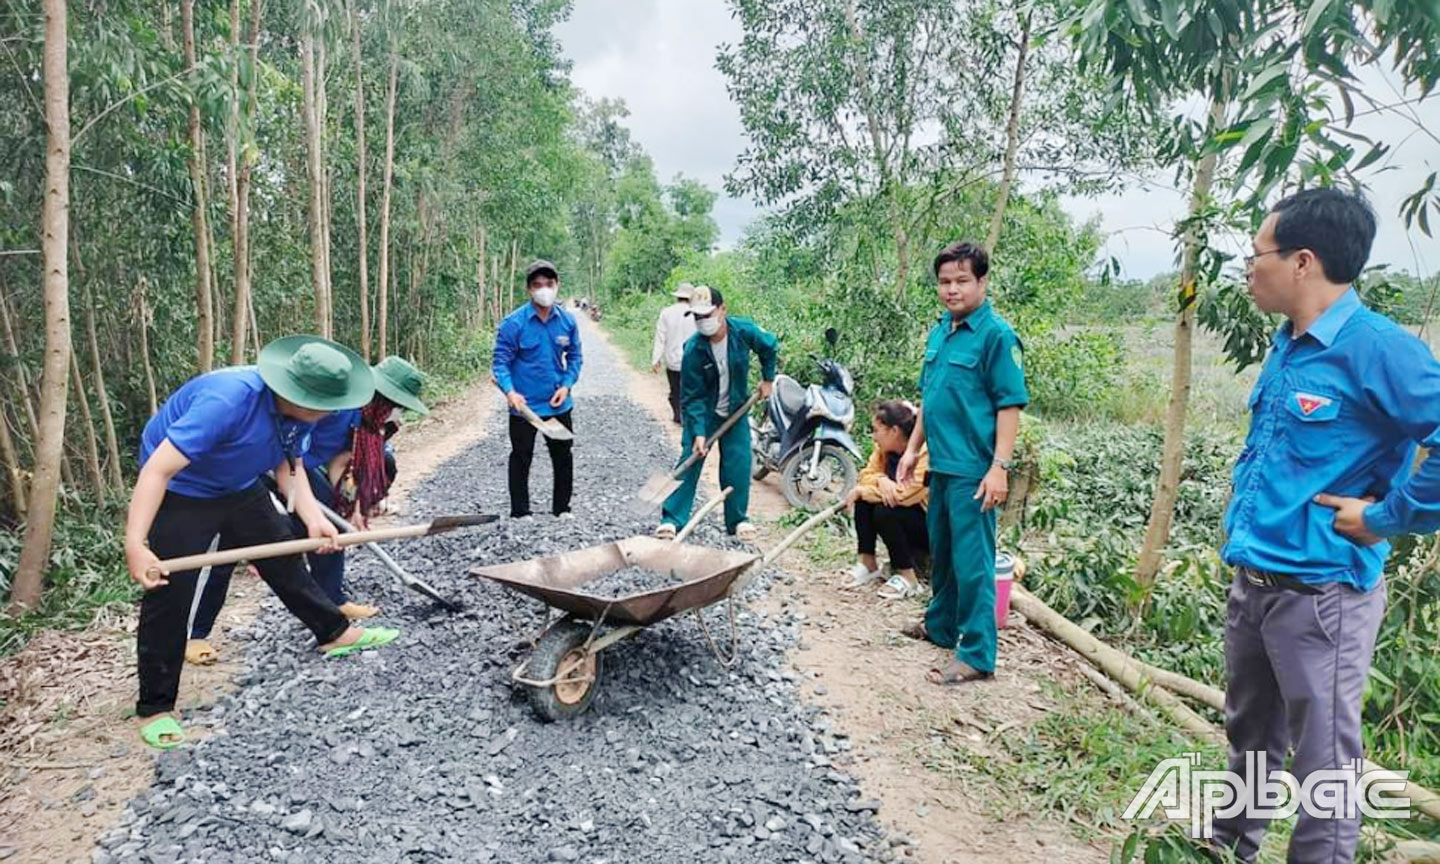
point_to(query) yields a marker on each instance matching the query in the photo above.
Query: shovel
(661, 486)
(550, 427)
(438, 525)
(394, 566)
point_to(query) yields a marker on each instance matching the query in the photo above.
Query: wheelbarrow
(564, 670)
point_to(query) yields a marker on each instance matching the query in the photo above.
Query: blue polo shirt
(227, 425)
(332, 436)
(1339, 410)
(535, 358)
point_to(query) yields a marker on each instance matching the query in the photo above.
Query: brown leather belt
(1266, 579)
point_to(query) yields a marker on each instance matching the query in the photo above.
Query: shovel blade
(450, 523)
(555, 430)
(657, 489)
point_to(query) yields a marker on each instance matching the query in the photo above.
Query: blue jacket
(535, 358)
(1339, 410)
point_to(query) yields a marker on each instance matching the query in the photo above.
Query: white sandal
(860, 576)
(666, 531)
(745, 532)
(896, 588)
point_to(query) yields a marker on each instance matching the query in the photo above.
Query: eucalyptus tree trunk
(204, 311)
(12, 465)
(107, 419)
(87, 427)
(514, 253)
(1012, 138)
(322, 107)
(241, 166)
(1167, 490)
(383, 310)
(315, 173)
(54, 228)
(891, 186)
(360, 220)
(142, 324)
(27, 400)
(480, 278)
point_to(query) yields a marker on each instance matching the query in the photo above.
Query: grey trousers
(1296, 666)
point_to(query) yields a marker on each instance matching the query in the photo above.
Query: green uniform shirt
(971, 371)
(700, 378)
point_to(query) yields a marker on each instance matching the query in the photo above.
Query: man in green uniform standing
(972, 390)
(714, 382)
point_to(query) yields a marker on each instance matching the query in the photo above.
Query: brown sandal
(916, 630)
(955, 673)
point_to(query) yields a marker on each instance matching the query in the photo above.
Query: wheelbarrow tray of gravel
(563, 671)
(699, 576)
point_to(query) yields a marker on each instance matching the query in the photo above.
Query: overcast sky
(659, 56)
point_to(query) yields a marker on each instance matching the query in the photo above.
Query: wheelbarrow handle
(701, 514)
(719, 433)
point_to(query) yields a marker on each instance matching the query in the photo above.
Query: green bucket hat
(316, 374)
(400, 382)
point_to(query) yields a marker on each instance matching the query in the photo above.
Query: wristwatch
(1007, 464)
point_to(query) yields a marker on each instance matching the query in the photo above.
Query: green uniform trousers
(962, 577)
(734, 472)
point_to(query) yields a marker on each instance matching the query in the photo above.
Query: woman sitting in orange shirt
(886, 510)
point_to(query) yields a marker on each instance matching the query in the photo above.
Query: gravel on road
(426, 752)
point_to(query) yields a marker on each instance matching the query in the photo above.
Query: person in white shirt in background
(671, 332)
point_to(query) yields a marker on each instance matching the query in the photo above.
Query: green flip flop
(373, 637)
(163, 734)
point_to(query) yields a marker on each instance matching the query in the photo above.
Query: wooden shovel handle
(289, 547)
(719, 433)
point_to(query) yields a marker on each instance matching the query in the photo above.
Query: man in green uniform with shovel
(972, 390)
(714, 382)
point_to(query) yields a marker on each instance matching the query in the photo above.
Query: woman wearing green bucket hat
(348, 469)
(201, 457)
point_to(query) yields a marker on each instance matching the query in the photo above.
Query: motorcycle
(805, 436)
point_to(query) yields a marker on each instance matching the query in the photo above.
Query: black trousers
(522, 453)
(673, 376)
(186, 526)
(902, 529)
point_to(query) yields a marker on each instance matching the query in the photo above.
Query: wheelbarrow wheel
(561, 654)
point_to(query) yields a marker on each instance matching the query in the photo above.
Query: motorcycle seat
(790, 394)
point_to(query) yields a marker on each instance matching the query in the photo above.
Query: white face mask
(544, 297)
(394, 416)
(708, 326)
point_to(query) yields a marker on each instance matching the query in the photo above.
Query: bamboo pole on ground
(1137, 677)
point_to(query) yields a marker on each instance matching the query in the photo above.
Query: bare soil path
(872, 680)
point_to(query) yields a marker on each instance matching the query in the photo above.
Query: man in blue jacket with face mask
(537, 360)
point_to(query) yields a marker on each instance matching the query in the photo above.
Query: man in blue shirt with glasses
(1327, 475)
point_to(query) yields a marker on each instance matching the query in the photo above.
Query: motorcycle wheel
(834, 477)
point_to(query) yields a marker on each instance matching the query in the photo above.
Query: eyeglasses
(1250, 259)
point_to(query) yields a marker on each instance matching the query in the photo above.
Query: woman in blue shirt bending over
(350, 470)
(200, 461)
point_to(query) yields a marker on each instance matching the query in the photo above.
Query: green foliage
(87, 572)
(1086, 516)
(657, 228)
